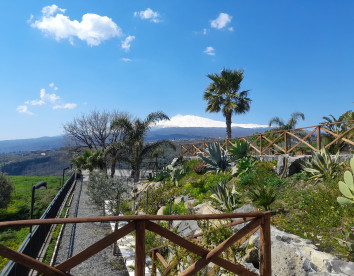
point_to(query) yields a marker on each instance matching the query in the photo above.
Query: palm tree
(134, 149)
(223, 95)
(290, 124)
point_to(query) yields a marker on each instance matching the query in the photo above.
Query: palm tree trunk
(136, 175)
(228, 124)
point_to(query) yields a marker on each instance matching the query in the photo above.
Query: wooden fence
(141, 223)
(301, 140)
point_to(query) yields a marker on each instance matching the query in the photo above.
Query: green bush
(6, 189)
(245, 165)
(176, 209)
(263, 196)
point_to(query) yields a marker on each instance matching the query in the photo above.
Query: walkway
(78, 237)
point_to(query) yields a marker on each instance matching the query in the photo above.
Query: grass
(19, 208)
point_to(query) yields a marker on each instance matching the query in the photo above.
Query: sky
(61, 59)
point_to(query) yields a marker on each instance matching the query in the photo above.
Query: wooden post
(180, 151)
(318, 138)
(285, 142)
(153, 259)
(266, 258)
(260, 144)
(140, 248)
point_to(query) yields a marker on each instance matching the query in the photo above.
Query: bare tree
(93, 130)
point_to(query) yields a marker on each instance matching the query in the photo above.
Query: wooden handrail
(141, 223)
(281, 138)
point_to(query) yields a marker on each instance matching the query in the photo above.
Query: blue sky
(59, 59)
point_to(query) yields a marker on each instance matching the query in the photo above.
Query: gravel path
(104, 262)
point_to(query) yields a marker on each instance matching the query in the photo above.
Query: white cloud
(50, 10)
(231, 29)
(65, 106)
(148, 14)
(51, 84)
(93, 28)
(29, 20)
(221, 21)
(126, 59)
(209, 51)
(126, 42)
(205, 31)
(35, 102)
(24, 109)
(51, 98)
(55, 88)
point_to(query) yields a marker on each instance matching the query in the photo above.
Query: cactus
(347, 187)
(216, 159)
(177, 173)
(229, 199)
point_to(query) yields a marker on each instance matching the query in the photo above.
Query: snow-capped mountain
(196, 121)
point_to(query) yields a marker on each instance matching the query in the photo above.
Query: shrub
(6, 189)
(347, 187)
(176, 209)
(239, 150)
(263, 196)
(200, 168)
(245, 164)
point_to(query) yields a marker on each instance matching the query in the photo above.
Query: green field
(20, 206)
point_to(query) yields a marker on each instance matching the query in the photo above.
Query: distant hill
(25, 145)
(170, 133)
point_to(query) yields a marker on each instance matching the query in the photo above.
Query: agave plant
(229, 199)
(347, 187)
(239, 150)
(322, 166)
(215, 158)
(263, 196)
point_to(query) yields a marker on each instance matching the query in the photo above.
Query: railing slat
(27, 261)
(205, 260)
(235, 268)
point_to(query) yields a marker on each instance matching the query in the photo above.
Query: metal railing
(141, 223)
(32, 244)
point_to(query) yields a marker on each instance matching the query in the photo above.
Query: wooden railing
(280, 142)
(141, 223)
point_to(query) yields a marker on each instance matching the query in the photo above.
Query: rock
(187, 228)
(160, 211)
(252, 257)
(181, 198)
(291, 164)
(174, 162)
(309, 266)
(205, 208)
(234, 170)
(339, 266)
(248, 208)
(318, 258)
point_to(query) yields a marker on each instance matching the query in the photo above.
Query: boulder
(160, 211)
(291, 164)
(339, 266)
(252, 257)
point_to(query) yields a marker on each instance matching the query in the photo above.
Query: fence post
(153, 267)
(265, 243)
(140, 248)
(260, 144)
(318, 138)
(285, 142)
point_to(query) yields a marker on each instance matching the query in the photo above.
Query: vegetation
(347, 187)
(215, 158)
(19, 207)
(239, 150)
(263, 196)
(290, 124)
(6, 189)
(132, 143)
(228, 198)
(89, 160)
(223, 95)
(322, 166)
